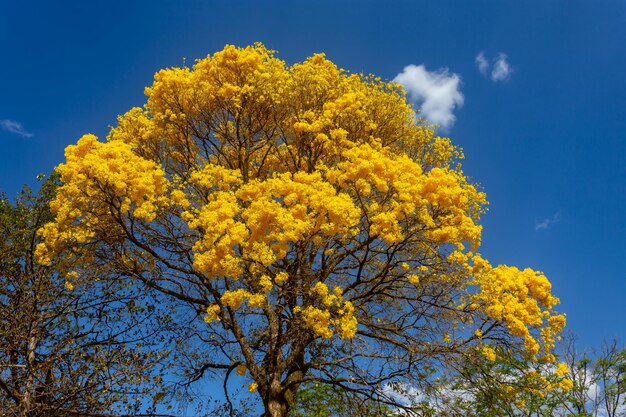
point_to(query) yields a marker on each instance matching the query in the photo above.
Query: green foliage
(589, 386)
(321, 400)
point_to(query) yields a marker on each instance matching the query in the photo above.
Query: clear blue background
(549, 140)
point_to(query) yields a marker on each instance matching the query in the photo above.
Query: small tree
(70, 345)
(610, 370)
(599, 380)
(502, 386)
(325, 234)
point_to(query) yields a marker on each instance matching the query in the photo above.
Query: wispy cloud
(437, 93)
(14, 127)
(482, 63)
(548, 222)
(501, 69)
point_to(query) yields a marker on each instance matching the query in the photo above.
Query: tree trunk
(277, 404)
(276, 408)
(280, 395)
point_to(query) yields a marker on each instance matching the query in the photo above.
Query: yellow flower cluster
(234, 299)
(281, 278)
(545, 384)
(400, 194)
(561, 369)
(263, 218)
(489, 353)
(103, 182)
(414, 279)
(212, 313)
(69, 278)
(522, 299)
(289, 208)
(333, 312)
(566, 384)
(215, 252)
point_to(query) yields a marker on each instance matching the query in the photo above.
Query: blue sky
(541, 83)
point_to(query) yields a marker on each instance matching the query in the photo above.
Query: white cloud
(501, 69)
(403, 393)
(14, 127)
(408, 395)
(548, 222)
(482, 63)
(437, 93)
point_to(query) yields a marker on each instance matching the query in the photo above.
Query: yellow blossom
(561, 369)
(212, 313)
(265, 282)
(566, 384)
(413, 279)
(281, 278)
(489, 353)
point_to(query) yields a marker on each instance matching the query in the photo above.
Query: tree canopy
(322, 230)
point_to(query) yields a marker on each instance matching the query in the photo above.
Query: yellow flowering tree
(323, 232)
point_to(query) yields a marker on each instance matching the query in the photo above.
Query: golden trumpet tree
(324, 233)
